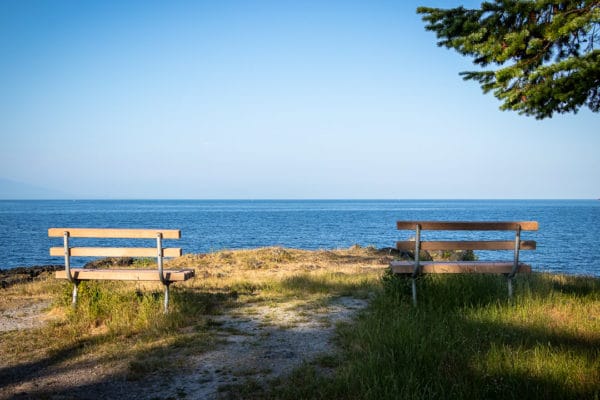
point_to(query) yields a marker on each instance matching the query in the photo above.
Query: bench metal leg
(515, 268)
(74, 300)
(414, 291)
(75, 282)
(166, 299)
(161, 276)
(417, 268)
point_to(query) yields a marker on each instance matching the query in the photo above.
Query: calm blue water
(568, 239)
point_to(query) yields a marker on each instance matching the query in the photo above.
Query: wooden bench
(417, 267)
(76, 275)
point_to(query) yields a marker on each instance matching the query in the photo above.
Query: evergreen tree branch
(545, 52)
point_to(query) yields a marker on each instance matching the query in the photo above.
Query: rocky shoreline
(12, 276)
(9, 277)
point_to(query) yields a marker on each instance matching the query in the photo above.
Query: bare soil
(26, 314)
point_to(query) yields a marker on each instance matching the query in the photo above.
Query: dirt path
(256, 342)
(27, 314)
(261, 343)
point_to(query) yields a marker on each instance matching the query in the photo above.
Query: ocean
(568, 237)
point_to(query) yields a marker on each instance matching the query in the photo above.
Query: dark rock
(453, 255)
(388, 251)
(447, 255)
(9, 277)
(110, 262)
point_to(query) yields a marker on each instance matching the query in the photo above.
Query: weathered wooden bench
(76, 275)
(418, 267)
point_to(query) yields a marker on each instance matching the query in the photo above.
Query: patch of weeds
(141, 367)
(325, 322)
(244, 288)
(305, 382)
(247, 311)
(196, 343)
(232, 330)
(327, 361)
(213, 323)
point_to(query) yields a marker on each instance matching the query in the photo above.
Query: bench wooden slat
(458, 267)
(115, 252)
(468, 226)
(115, 233)
(126, 274)
(408, 245)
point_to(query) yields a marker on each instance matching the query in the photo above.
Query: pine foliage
(538, 57)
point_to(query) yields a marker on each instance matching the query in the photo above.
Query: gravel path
(270, 343)
(28, 314)
(257, 342)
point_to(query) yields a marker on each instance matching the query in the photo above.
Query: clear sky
(264, 99)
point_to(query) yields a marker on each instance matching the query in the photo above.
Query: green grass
(465, 340)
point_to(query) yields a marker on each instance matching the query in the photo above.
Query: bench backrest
(157, 234)
(515, 226)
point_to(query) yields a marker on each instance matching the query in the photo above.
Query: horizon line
(297, 199)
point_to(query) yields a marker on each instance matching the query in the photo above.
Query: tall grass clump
(117, 321)
(467, 340)
(122, 309)
(114, 308)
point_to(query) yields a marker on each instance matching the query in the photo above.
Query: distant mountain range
(15, 190)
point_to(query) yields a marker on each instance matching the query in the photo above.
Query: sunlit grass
(124, 321)
(467, 340)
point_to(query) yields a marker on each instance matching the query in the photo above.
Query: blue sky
(264, 99)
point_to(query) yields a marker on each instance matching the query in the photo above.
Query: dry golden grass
(277, 261)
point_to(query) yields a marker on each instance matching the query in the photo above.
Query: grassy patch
(465, 340)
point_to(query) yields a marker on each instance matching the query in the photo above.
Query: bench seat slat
(468, 226)
(126, 274)
(115, 233)
(115, 252)
(458, 267)
(409, 245)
